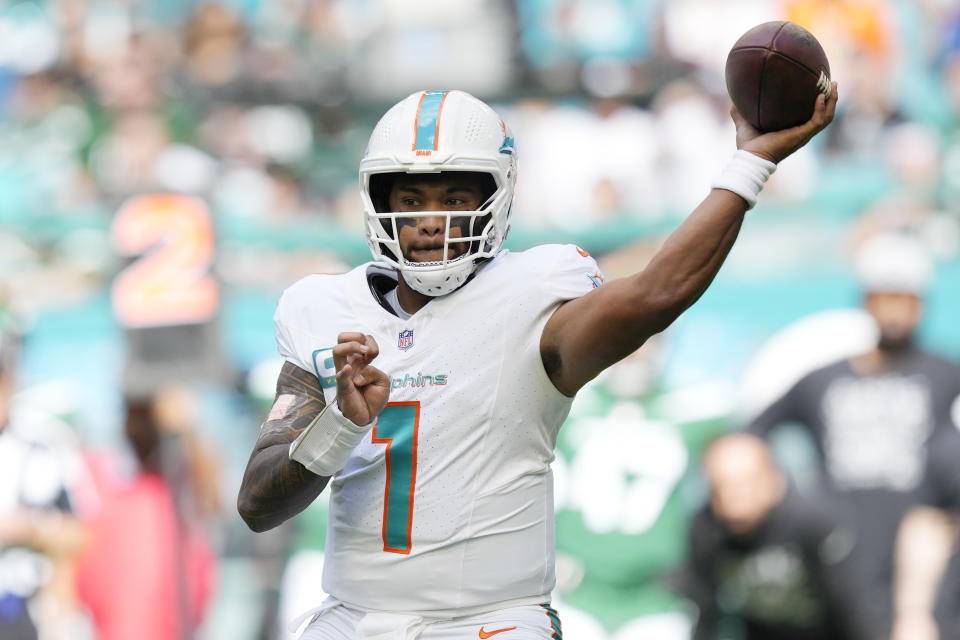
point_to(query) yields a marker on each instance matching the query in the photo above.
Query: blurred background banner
(168, 168)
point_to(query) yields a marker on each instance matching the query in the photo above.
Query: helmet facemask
(471, 235)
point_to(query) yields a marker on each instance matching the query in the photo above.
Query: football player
(427, 387)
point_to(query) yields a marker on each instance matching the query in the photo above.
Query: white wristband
(745, 176)
(327, 442)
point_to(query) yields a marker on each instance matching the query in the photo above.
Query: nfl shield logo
(405, 340)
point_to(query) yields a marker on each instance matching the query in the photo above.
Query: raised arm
(587, 335)
(275, 488)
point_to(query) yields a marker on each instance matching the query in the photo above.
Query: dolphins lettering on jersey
(420, 380)
(405, 339)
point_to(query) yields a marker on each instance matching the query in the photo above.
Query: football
(774, 73)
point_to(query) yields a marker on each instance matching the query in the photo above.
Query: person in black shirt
(871, 417)
(766, 563)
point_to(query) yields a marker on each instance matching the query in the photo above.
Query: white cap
(894, 263)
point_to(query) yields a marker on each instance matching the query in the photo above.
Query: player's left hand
(777, 145)
(362, 389)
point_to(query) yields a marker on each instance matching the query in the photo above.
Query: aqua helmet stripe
(427, 124)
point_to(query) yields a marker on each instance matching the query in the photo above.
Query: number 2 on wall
(170, 283)
(398, 427)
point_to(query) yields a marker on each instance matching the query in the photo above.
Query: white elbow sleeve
(745, 176)
(327, 442)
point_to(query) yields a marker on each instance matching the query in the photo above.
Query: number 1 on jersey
(397, 427)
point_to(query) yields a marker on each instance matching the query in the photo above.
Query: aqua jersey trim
(554, 622)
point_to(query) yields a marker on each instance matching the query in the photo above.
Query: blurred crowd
(261, 110)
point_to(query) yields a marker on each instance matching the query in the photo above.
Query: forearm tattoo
(299, 399)
(274, 487)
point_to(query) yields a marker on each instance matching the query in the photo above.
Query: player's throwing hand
(362, 389)
(777, 145)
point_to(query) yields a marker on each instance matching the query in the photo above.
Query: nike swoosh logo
(486, 634)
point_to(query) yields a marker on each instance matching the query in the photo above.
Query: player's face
(421, 238)
(897, 316)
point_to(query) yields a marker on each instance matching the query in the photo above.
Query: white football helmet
(433, 132)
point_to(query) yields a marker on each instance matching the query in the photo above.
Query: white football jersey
(446, 507)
